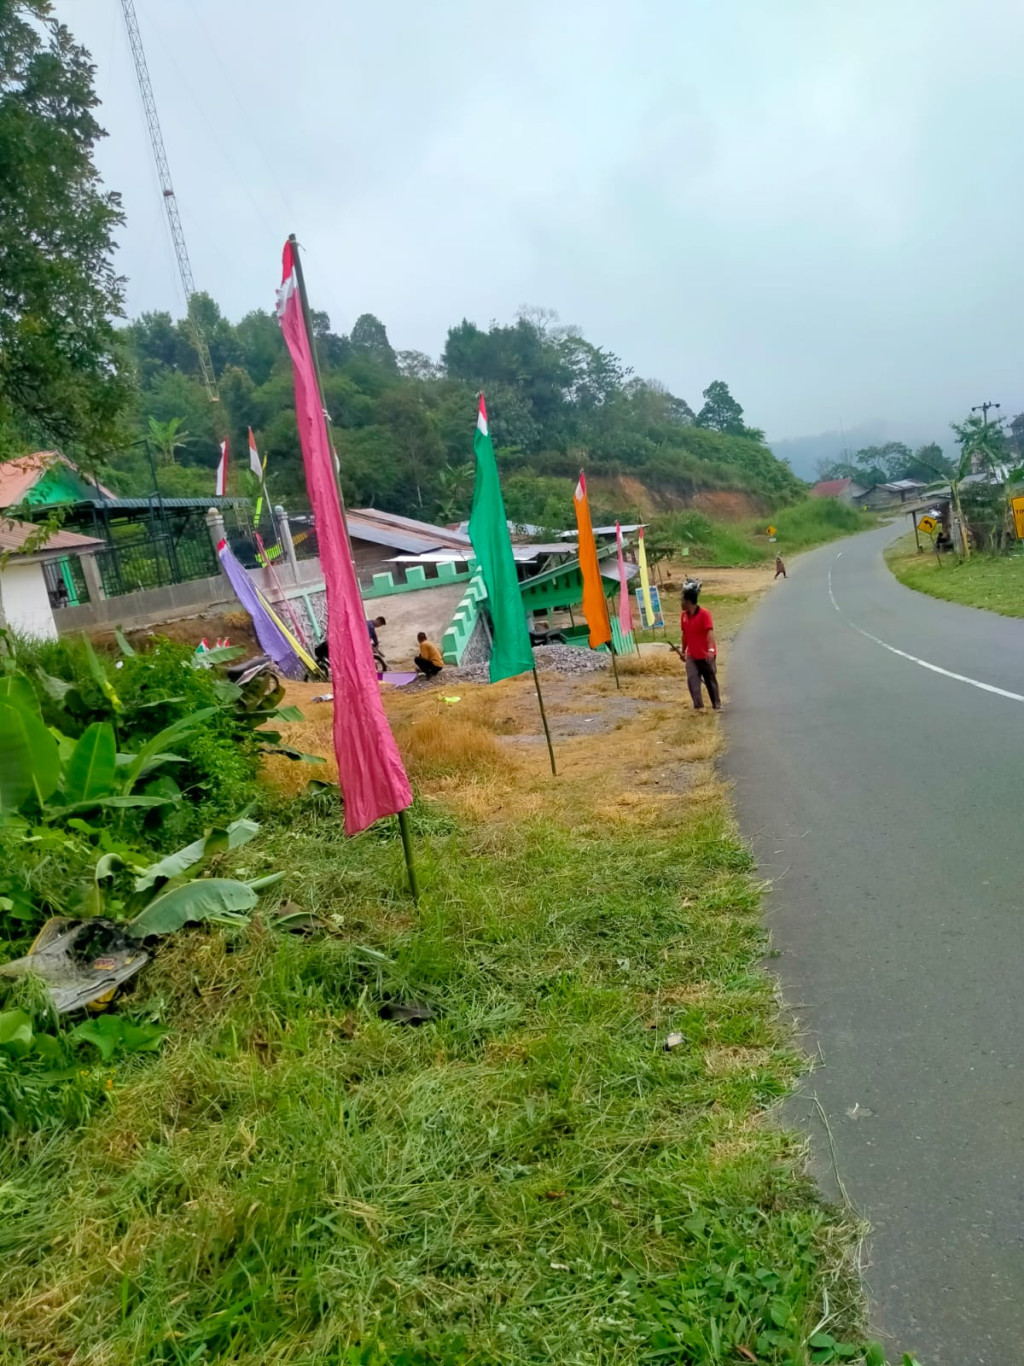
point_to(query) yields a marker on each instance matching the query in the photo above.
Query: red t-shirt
(696, 630)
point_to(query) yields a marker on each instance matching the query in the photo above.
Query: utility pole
(131, 23)
(983, 408)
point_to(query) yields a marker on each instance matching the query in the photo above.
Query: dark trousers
(425, 666)
(698, 671)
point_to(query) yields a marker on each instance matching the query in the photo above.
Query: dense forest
(404, 423)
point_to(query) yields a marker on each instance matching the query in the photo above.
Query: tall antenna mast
(131, 23)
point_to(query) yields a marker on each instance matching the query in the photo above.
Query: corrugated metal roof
(13, 536)
(138, 504)
(18, 477)
(523, 554)
(607, 530)
(402, 533)
(832, 488)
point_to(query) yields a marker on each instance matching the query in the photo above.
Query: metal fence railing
(156, 562)
(65, 581)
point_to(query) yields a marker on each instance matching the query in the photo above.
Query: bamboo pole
(403, 816)
(544, 719)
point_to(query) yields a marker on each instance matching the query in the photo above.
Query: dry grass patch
(450, 746)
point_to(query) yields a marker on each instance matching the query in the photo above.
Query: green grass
(529, 1178)
(993, 582)
(812, 522)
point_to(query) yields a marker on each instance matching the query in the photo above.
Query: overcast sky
(819, 201)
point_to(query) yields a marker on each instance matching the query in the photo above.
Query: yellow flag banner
(595, 604)
(645, 578)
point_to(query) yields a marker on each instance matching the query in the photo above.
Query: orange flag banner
(595, 604)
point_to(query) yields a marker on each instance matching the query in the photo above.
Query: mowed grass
(995, 583)
(528, 1177)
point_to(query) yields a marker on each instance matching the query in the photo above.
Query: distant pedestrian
(700, 651)
(780, 568)
(430, 660)
(371, 626)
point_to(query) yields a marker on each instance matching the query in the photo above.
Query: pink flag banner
(373, 781)
(625, 611)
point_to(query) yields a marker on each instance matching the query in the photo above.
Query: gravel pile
(561, 659)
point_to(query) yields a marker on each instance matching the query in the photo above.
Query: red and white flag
(373, 781)
(625, 611)
(254, 458)
(222, 470)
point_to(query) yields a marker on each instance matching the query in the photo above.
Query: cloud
(814, 201)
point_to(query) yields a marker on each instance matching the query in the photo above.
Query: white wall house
(26, 600)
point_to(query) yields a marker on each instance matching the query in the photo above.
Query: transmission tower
(131, 23)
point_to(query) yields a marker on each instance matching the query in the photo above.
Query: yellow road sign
(928, 524)
(771, 531)
(1017, 504)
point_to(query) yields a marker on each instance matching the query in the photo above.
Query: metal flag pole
(300, 279)
(544, 718)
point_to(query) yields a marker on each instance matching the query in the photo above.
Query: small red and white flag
(222, 470)
(254, 457)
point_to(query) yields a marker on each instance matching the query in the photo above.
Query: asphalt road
(885, 800)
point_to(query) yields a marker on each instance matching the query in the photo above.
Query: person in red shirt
(699, 652)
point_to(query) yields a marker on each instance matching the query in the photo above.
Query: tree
(983, 444)
(1016, 436)
(982, 447)
(404, 430)
(62, 376)
(928, 463)
(721, 412)
(882, 464)
(454, 485)
(166, 439)
(370, 336)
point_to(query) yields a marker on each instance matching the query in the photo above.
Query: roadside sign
(1017, 504)
(771, 531)
(928, 524)
(659, 620)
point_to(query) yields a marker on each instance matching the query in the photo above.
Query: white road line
(924, 663)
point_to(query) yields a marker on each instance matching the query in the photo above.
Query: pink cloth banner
(625, 611)
(373, 781)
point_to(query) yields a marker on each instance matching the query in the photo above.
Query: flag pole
(615, 667)
(300, 280)
(544, 718)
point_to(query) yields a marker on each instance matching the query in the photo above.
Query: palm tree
(167, 438)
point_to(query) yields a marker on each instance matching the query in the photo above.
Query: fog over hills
(805, 452)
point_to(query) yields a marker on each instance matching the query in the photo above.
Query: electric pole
(983, 408)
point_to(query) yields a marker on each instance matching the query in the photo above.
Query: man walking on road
(699, 652)
(780, 568)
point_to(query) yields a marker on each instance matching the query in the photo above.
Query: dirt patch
(727, 505)
(235, 624)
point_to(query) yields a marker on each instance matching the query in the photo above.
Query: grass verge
(995, 583)
(529, 1177)
(812, 522)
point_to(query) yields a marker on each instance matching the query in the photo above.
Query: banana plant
(167, 895)
(43, 769)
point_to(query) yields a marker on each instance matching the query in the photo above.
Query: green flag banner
(511, 652)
